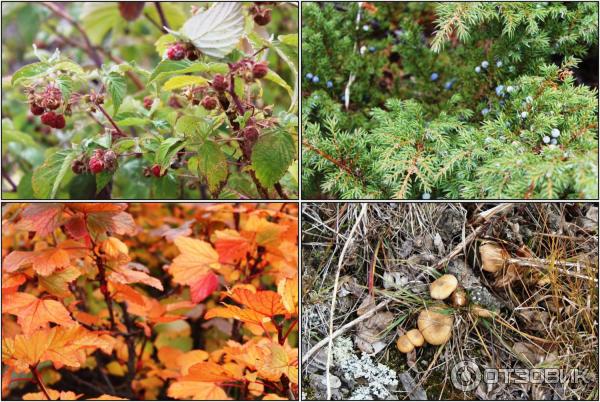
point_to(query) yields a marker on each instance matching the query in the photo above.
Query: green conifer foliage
(450, 100)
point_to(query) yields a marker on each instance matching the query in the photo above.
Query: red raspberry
(219, 83)
(131, 10)
(51, 98)
(96, 165)
(209, 102)
(148, 102)
(48, 118)
(263, 17)
(78, 166)
(36, 110)
(155, 169)
(110, 160)
(176, 52)
(259, 70)
(59, 121)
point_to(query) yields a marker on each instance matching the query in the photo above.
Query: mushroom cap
(435, 326)
(443, 286)
(404, 345)
(459, 297)
(415, 337)
(492, 257)
(481, 312)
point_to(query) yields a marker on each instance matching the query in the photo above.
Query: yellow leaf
(196, 259)
(116, 369)
(180, 81)
(33, 313)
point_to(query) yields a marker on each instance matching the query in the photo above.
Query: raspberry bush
(450, 100)
(149, 301)
(112, 92)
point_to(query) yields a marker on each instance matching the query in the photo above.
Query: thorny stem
(38, 378)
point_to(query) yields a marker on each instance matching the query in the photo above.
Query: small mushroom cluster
(434, 324)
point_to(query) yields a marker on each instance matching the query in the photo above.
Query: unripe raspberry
(148, 102)
(209, 102)
(48, 118)
(263, 17)
(110, 160)
(176, 52)
(250, 133)
(260, 70)
(36, 110)
(59, 121)
(219, 83)
(96, 165)
(155, 169)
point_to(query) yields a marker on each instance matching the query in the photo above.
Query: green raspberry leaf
(272, 155)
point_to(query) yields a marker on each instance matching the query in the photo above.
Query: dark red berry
(260, 70)
(78, 166)
(250, 133)
(263, 17)
(209, 102)
(59, 121)
(36, 110)
(176, 52)
(191, 55)
(96, 165)
(219, 83)
(110, 160)
(131, 10)
(148, 102)
(48, 118)
(155, 169)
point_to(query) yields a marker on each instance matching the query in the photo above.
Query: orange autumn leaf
(57, 284)
(288, 290)
(54, 395)
(267, 233)
(33, 313)
(63, 346)
(231, 245)
(45, 261)
(41, 218)
(274, 361)
(258, 307)
(273, 397)
(105, 397)
(203, 391)
(194, 266)
(124, 274)
(104, 217)
(213, 372)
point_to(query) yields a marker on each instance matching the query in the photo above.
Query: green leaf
(274, 77)
(69, 66)
(211, 164)
(102, 179)
(165, 187)
(133, 121)
(116, 87)
(29, 71)
(9, 134)
(181, 81)
(24, 189)
(192, 126)
(272, 155)
(65, 84)
(99, 18)
(167, 68)
(47, 177)
(289, 39)
(166, 151)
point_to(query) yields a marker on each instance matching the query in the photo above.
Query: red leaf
(204, 287)
(41, 218)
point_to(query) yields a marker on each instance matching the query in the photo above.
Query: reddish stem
(287, 333)
(38, 378)
(110, 119)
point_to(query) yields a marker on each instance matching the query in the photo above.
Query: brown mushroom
(435, 326)
(459, 297)
(404, 345)
(481, 312)
(492, 256)
(415, 337)
(443, 287)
